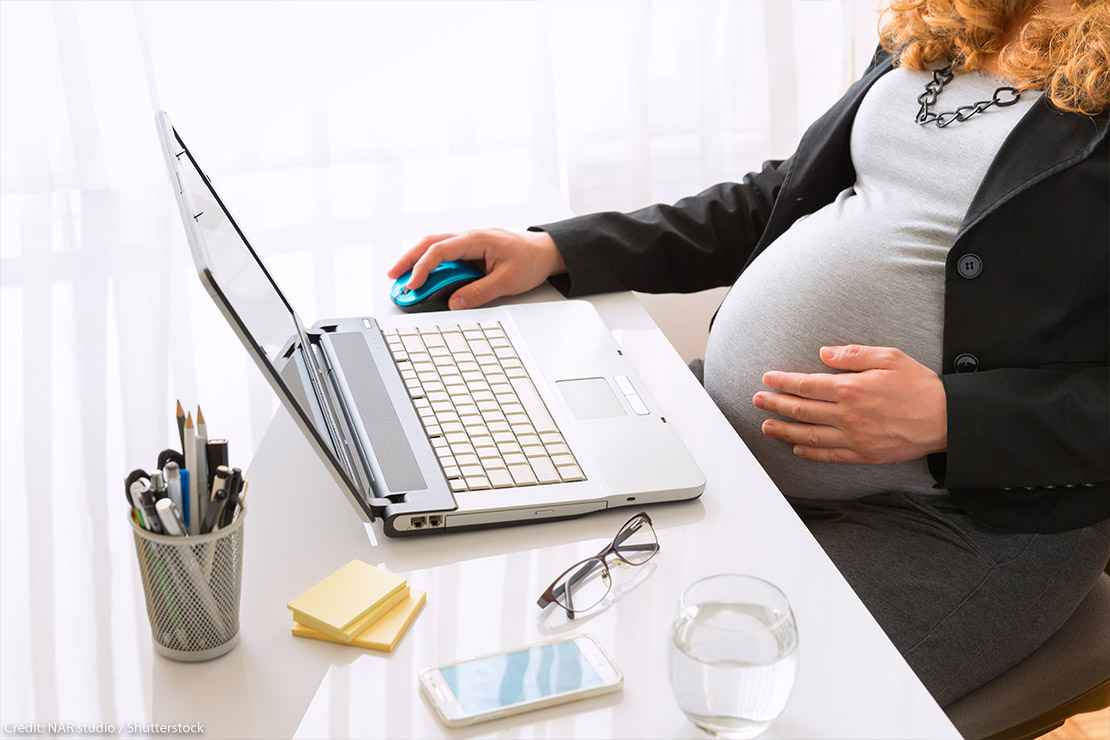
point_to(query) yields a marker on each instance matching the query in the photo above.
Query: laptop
(445, 420)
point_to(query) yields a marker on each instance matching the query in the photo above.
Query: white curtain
(337, 132)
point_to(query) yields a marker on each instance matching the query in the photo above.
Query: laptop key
(455, 342)
(545, 471)
(482, 442)
(500, 478)
(493, 463)
(535, 452)
(451, 471)
(516, 458)
(457, 484)
(571, 473)
(481, 347)
(523, 475)
(561, 460)
(477, 483)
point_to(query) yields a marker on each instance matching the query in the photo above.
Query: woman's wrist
(549, 254)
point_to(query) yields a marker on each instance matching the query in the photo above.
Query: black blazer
(1027, 307)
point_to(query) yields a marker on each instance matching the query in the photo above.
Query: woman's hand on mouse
(887, 408)
(514, 263)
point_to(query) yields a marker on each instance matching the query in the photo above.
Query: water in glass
(734, 655)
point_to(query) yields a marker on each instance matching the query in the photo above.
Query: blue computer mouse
(444, 279)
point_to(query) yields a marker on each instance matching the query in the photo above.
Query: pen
(158, 486)
(215, 509)
(173, 484)
(215, 454)
(171, 520)
(234, 483)
(219, 480)
(150, 512)
(135, 499)
(186, 500)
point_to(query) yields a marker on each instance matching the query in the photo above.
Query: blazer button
(969, 266)
(966, 362)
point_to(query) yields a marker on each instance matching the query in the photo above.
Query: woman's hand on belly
(886, 408)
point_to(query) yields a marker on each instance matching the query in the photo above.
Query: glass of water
(734, 654)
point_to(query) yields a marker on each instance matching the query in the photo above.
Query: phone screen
(486, 684)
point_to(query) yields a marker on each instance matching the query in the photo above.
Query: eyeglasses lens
(582, 586)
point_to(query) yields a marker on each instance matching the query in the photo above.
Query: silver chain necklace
(1003, 97)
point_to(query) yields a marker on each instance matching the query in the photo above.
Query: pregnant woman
(915, 344)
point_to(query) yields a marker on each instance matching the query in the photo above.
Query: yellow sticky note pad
(349, 600)
(384, 634)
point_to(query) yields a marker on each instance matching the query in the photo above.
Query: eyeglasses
(583, 585)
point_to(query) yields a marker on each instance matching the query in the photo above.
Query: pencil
(194, 482)
(204, 476)
(181, 425)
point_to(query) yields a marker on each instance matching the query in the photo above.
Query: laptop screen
(250, 296)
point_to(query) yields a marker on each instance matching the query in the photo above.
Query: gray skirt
(962, 603)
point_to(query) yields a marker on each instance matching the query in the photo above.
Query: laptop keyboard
(480, 409)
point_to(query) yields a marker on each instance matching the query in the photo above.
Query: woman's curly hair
(1065, 54)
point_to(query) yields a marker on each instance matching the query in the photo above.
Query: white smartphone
(501, 685)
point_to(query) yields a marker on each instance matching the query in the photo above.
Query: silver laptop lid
(251, 301)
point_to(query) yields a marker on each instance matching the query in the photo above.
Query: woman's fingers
(830, 455)
(481, 291)
(808, 435)
(796, 407)
(463, 246)
(409, 258)
(820, 386)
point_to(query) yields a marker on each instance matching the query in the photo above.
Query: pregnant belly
(837, 277)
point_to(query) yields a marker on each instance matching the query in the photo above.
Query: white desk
(482, 588)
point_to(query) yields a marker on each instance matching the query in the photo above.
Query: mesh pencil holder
(192, 587)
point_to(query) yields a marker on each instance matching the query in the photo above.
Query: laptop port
(435, 521)
(418, 522)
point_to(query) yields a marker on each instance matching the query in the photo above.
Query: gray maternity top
(867, 268)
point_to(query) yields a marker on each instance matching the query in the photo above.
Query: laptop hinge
(336, 412)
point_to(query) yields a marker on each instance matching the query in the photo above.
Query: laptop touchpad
(590, 398)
